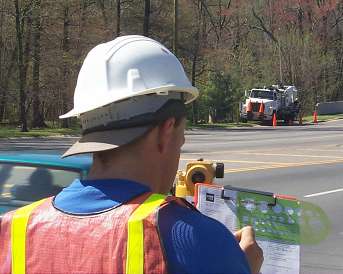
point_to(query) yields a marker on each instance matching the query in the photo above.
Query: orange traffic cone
(274, 120)
(261, 109)
(249, 107)
(315, 117)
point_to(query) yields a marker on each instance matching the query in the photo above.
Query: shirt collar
(86, 197)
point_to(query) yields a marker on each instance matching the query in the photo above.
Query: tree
(8, 58)
(65, 69)
(245, 43)
(118, 16)
(219, 96)
(38, 118)
(22, 54)
(146, 22)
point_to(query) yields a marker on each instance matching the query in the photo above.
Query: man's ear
(165, 134)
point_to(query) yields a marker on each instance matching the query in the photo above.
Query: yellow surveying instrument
(199, 171)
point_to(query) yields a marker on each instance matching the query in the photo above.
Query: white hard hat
(126, 87)
(127, 67)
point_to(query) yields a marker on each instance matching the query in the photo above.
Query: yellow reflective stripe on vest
(18, 236)
(135, 235)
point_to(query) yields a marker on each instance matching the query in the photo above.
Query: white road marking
(323, 193)
(270, 165)
(282, 166)
(264, 153)
(293, 155)
(237, 161)
(321, 150)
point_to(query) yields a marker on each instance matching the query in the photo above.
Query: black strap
(172, 108)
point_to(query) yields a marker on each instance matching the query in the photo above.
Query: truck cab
(251, 108)
(261, 104)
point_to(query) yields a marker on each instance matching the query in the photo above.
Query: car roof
(53, 160)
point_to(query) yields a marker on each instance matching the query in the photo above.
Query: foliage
(226, 46)
(220, 96)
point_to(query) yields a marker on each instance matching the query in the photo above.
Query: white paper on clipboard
(275, 224)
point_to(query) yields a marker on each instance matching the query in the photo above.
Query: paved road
(299, 161)
(303, 161)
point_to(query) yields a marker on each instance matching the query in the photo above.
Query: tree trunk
(175, 26)
(118, 17)
(65, 48)
(104, 18)
(81, 26)
(38, 119)
(5, 83)
(2, 90)
(195, 104)
(26, 33)
(22, 95)
(146, 23)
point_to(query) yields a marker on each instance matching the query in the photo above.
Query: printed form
(274, 220)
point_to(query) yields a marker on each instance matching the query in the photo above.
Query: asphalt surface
(306, 162)
(298, 161)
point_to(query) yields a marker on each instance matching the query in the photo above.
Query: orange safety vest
(41, 239)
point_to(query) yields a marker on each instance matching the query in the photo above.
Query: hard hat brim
(105, 140)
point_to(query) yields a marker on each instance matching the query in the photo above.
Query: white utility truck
(261, 104)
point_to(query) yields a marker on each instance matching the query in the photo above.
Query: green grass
(306, 120)
(322, 118)
(11, 132)
(222, 125)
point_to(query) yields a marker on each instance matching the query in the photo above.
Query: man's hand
(247, 242)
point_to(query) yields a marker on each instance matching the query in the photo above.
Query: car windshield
(262, 94)
(20, 185)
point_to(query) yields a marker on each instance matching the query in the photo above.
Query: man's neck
(143, 172)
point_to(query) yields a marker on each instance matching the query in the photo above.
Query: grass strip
(323, 118)
(11, 132)
(14, 132)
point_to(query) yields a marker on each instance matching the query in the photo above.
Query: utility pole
(175, 29)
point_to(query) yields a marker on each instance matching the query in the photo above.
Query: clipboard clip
(238, 189)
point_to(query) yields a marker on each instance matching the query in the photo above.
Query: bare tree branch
(263, 27)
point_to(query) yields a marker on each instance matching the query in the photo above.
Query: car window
(20, 185)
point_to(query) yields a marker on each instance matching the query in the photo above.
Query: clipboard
(275, 219)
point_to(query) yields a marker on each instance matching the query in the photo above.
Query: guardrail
(330, 108)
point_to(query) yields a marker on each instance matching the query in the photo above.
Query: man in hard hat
(130, 98)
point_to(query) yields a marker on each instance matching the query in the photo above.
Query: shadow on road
(316, 128)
